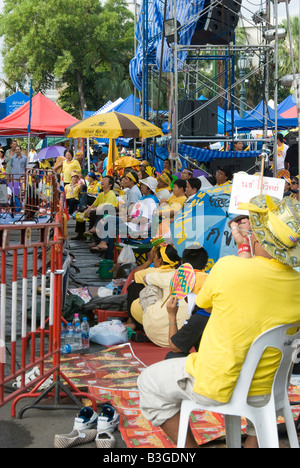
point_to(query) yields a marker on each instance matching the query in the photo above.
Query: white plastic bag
(109, 333)
(127, 255)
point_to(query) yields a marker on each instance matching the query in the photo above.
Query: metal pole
(276, 89)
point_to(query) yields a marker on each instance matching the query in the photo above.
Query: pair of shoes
(79, 237)
(74, 438)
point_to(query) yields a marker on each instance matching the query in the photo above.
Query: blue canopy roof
(12, 103)
(255, 119)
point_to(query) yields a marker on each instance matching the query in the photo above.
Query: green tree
(84, 44)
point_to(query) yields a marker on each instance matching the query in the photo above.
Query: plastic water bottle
(77, 342)
(75, 320)
(66, 349)
(69, 335)
(85, 334)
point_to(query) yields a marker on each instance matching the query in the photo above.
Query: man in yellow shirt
(245, 297)
(105, 198)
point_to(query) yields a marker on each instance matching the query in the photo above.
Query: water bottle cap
(84, 319)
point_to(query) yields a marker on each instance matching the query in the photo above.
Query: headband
(133, 177)
(165, 257)
(165, 178)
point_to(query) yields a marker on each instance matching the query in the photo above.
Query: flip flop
(88, 234)
(97, 250)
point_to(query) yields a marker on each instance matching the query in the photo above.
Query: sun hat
(276, 225)
(74, 173)
(150, 182)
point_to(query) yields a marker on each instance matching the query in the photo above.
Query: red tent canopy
(47, 118)
(288, 114)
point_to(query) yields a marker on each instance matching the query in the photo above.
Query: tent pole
(88, 154)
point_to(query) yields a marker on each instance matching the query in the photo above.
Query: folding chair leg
(233, 431)
(267, 433)
(183, 423)
(290, 427)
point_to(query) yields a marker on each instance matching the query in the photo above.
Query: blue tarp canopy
(125, 107)
(287, 104)
(255, 119)
(12, 103)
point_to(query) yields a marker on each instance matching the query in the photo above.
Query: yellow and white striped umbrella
(113, 125)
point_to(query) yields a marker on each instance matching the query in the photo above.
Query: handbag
(149, 296)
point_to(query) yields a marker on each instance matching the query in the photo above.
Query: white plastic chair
(263, 418)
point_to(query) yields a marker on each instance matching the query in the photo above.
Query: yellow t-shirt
(106, 198)
(45, 165)
(72, 191)
(94, 188)
(174, 204)
(247, 297)
(68, 168)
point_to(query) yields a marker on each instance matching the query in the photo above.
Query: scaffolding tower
(213, 66)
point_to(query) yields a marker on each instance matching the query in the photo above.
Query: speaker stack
(202, 123)
(217, 24)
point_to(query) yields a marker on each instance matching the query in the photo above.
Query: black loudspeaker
(201, 123)
(217, 23)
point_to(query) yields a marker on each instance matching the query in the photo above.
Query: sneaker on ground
(108, 419)
(86, 419)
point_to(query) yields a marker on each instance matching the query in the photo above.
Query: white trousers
(165, 384)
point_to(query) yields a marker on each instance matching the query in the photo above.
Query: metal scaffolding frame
(266, 53)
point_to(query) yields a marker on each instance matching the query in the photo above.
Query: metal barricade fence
(28, 196)
(30, 318)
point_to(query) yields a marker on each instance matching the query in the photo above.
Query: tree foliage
(85, 44)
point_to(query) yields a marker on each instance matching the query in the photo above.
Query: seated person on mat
(182, 341)
(149, 308)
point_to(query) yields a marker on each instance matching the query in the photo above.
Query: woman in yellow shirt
(69, 165)
(72, 192)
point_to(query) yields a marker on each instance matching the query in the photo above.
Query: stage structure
(196, 49)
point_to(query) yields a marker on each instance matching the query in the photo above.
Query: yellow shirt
(72, 191)
(45, 165)
(248, 297)
(68, 168)
(174, 204)
(94, 188)
(106, 198)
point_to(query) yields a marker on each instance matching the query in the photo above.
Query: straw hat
(276, 225)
